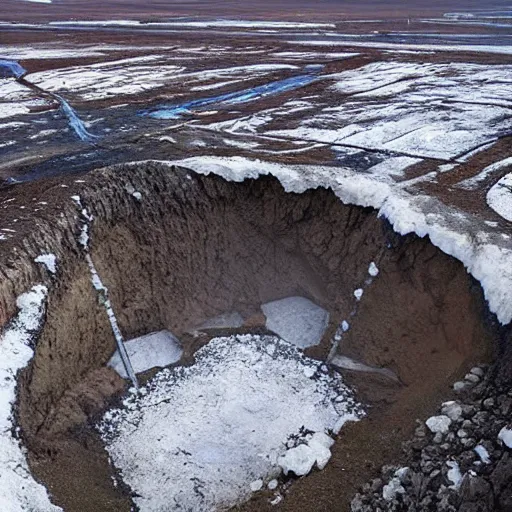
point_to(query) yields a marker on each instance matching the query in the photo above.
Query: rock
(439, 424)
(505, 406)
(461, 433)
(459, 386)
(488, 403)
(472, 378)
(479, 372)
(376, 485)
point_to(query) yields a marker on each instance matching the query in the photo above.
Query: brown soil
(198, 246)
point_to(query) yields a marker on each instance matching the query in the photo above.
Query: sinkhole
(375, 329)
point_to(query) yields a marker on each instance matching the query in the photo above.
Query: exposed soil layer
(194, 247)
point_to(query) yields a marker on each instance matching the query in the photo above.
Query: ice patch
(373, 269)
(198, 436)
(297, 320)
(232, 320)
(157, 349)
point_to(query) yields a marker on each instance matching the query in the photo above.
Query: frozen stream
(14, 69)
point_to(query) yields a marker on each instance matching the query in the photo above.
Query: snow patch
(49, 260)
(19, 492)
(505, 436)
(196, 437)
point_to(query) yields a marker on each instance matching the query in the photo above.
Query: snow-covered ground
(204, 437)
(19, 492)
(138, 74)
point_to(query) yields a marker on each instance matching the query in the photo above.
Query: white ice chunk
(200, 435)
(452, 409)
(299, 460)
(505, 436)
(256, 485)
(390, 490)
(454, 474)
(483, 454)
(439, 424)
(49, 260)
(373, 270)
(297, 320)
(358, 293)
(149, 351)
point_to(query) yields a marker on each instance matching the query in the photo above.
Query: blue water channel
(75, 122)
(12, 68)
(234, 98)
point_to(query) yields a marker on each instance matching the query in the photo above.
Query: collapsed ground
(306, 244)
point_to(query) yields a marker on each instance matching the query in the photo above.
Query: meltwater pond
(233, 98)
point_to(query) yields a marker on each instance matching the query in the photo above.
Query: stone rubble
(456, 461)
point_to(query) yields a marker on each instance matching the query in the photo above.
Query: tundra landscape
(255, 257)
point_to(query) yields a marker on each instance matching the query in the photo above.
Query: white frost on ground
(297, 320)
(486, 255)
(473, 48)
(49, 261)
(196, 437)
(439, 424)
(483, 454)
(499, 197)
(505, 436)
(157, 349)
(19, 492)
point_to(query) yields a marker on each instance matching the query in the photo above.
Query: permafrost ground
(383, 114)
